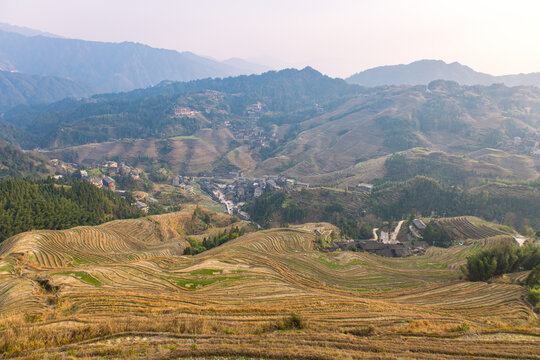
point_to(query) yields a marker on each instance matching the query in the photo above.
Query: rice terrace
(268, 180)
(125, 289)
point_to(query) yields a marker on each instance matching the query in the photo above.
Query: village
(101, 175)
(528, 145)
(235, 194)
(244, 128)
(402, 241)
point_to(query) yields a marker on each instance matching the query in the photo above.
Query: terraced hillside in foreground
(124, 289)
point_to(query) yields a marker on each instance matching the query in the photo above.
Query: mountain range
(25, 89)
(50, 67)
(424, 71)
(107, 67)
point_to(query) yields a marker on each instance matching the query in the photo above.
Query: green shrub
(534, 295)
(291, 322)
(365, 331)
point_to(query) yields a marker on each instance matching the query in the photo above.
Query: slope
(233, 300)
(442, 116)
(281, 97)
(16, 163)
(23, 89)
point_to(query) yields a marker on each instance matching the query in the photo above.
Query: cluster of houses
(139, 204)
(529, 145)
(184, 183)
(234, 195)
(112, 168)
(251, 135)
(184, 111)
(254, 111)
(387, 244)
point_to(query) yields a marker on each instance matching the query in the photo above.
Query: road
(375, 236)
(393, 238)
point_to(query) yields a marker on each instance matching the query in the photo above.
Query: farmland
(124, 289)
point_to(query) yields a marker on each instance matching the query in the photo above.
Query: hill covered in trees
(286, 96)
(16, 163)
(24, 89)
(345, 210)
(28, 205)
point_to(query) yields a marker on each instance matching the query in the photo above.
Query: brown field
(473, 228)
(189, 154)
(124, 290)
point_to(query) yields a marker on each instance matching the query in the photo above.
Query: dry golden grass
(189, 155)
(234, 300)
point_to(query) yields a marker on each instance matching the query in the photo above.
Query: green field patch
(184, 137)
(95, 173)
(336, 266)
(194, 284)
(80, 261)
(8, 267)
(357, 262)
(423, 265)
(83, 276)
(206, 272)
(287, 203)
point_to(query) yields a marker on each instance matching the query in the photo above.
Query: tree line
(46, 204)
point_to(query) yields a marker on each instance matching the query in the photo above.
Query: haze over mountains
(26, 89)
(51, 68)
(107, 67)
(424, 71)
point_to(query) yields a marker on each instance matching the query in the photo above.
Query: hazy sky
(337, 37)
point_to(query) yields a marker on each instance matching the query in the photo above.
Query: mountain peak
(421, 72)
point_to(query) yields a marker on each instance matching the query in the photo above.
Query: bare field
(190, 154)
(123, 290)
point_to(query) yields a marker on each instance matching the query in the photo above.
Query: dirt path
(396, 231)
(375, 236)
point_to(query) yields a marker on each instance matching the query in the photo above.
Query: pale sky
(337, 37)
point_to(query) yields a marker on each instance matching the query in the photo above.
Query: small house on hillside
(419, 224)
(141, 206)
(520, 240)
(109, 183)
(365, 188)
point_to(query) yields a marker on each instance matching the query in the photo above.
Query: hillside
(284, 97)
(441, 116)
(313, 127)
(23, 89)
(16, 163)
(123, 289)
(27, 205)
(108, 67)
(423, 72)
(183, 154)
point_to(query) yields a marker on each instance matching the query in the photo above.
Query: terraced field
(464, 229)
(124, 290)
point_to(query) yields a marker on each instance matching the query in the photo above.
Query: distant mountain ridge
(423, 72)
(109, 67)
(26, 31)
(24, 89)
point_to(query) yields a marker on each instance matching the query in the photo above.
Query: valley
(157, 204)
